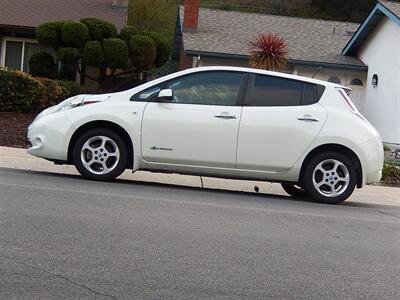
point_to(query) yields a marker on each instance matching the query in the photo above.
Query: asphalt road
(64, 237)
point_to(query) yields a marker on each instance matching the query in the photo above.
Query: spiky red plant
(268, 51)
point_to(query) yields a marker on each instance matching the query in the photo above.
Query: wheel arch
(335, 148)
(102, 124)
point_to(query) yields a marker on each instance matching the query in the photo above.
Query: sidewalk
(19, 159)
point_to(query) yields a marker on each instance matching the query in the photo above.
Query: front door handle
(225, 117)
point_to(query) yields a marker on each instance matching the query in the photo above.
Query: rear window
(276, 91)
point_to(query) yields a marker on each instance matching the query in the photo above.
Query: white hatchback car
(223, 122)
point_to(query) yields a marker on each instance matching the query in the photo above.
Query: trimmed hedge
(74, 34)
(162, 46)
(127, 32)
(42, 64)
(99, 29)
(143, 51)
(68, 55)
(20, 92)
(49, 34)
(116, 53)
(93, 54)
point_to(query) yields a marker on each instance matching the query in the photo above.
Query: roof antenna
(315, 74)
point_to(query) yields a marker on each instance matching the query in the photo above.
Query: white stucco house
(346, 53)
(377, 44)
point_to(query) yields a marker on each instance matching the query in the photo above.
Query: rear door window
(267, 90)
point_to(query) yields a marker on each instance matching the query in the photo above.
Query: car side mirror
(165, 95)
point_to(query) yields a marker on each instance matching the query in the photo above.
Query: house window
(356, 81)
(334, 79)
(13, 54)
(17, 53)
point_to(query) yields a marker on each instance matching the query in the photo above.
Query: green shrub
(74, 34)
(116, 54)
(49, 34)
(391, 174)
(93, 54)
(72, 88)
(52, 93)
(127, 32)
(42, 64)
(143, 52)
(19, 92)
(162, 46)
(99, 29)
(68, 55)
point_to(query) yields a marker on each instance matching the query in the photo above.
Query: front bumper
(49, 136)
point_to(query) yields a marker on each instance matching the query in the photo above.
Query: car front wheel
(330, 177)
(100, 154)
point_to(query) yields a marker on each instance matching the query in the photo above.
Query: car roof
(234, 69)
(258, 71)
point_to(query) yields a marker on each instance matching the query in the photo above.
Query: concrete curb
(17, 158)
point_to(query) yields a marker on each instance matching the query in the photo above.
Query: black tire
(344, 189)
(294, 190)
(117, 166)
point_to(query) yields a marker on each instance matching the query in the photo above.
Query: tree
(143, 52)
(163, 48)
(268, 51)
(95, 42)
(127, 32)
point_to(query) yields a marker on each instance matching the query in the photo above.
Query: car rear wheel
(293, 189)
(100, 154)
(330, 177)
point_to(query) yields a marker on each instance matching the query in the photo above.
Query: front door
(280, 119)
(200, 126)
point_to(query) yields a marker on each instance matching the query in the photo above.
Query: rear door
(280, 119)
(200, 126)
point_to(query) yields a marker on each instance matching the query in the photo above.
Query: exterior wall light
(375, 80)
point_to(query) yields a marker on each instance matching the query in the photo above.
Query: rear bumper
(372, 163)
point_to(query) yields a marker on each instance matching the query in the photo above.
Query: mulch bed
(13, 129)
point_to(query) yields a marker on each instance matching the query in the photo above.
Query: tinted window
(275, 91)
(311, 93)
(208, 88)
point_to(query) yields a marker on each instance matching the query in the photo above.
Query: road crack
(388, 214)
(63, 277)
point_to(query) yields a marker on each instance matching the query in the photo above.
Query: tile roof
(394, 7)
(31, 13)
(309, 40)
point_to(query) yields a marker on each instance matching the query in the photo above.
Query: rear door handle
(308, 119)
(225, 117)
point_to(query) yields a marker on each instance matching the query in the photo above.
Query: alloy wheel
(100, 155)
(331, 178)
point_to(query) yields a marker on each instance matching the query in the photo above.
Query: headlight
(72, 102)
